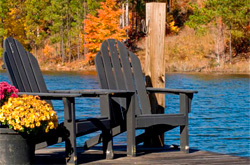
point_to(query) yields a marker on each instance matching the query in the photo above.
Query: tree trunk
(68, 32)
(56, 50)
(84, 16)
(221, 59)
(78, 38)
(69, 45)
(230, 46)
(127, 16)
(62, 47)
(217, 47)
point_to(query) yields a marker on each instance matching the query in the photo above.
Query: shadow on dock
(164, 155)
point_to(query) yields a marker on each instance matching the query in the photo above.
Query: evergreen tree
(234, 16)
(35, 25)
(56, 15)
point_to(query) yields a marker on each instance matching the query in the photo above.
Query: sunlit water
(220, 116)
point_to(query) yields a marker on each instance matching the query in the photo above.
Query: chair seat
(147, 120)
(85, 126)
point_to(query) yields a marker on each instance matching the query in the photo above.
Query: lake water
(220, 116)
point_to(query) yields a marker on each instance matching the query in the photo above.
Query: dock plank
(144, 156)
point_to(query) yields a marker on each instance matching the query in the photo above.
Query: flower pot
(15, 149)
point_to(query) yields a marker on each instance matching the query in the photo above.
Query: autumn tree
(224, 15)
(93, 5)
(103, 26)
(14, 19)
(3, 11)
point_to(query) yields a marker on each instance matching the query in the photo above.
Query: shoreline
(90, 69)
(93, 72)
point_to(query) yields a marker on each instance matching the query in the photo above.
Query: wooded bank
(61, 33)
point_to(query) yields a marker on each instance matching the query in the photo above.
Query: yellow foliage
(48, 51)
(14, 24)
(173, 28)
(49, 54)
(27, 113)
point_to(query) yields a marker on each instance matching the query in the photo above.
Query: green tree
(234, 16)
(93, 5)
(3, 32)
(56, 15)
(35, 24)
(76, 15)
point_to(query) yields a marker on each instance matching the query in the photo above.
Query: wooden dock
(144, 156)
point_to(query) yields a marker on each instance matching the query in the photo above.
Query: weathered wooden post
(154, 60)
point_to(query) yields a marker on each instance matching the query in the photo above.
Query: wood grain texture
(144, 156)
(154, 60)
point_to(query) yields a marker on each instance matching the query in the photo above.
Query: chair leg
(184, 138)
(131, 144)
(108, 145)
(185, 107)
(71, 155)
(69, 123)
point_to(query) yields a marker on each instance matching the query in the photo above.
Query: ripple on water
(220, 116)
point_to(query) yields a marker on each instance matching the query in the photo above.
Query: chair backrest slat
(36, 74)
(123, 69)
(101, 71)
(118, 73)
(29, 73)
(140, 84)
(126, 66)
(127, 71)
(23, 68)
(12, 61)
(116, 64)
(11, 73)
(108, 66)
(117, 103)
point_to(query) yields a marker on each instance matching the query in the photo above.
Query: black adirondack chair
(25, 74)
(119, 68)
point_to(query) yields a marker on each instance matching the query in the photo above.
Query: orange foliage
(103, 26)
(49, 54)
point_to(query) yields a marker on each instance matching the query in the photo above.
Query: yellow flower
(27, 112)
(38, 124)
(47, 130)
(32, 125)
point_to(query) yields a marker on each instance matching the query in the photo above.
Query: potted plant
(23, 120)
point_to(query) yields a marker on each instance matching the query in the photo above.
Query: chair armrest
(170, 91)
(186, 97)
(52, 96)
(96, 92)
(68, 97)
